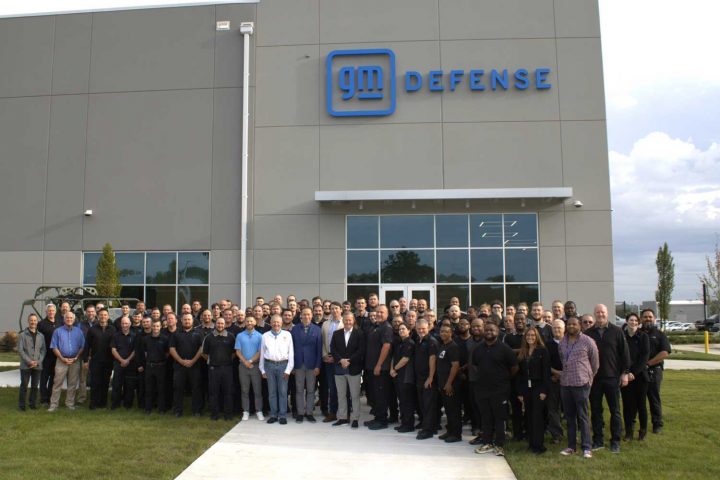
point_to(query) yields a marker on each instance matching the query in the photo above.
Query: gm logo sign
(361, 83)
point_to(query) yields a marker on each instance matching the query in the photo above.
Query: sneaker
(260, 416)
(71, 407)
(597, 446)
(567, 452)
(499, 452)
(487, 448)
(615, 447)
(283, 421)
(310, 418)
(246, 416)
(52, 409)
(587, 454)
(272, 420)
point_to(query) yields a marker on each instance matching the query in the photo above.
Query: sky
(662, 91)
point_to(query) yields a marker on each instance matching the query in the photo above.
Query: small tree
(107, 277)
(666, 280)
(712, 280)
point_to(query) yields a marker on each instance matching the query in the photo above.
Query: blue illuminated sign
(359, 85)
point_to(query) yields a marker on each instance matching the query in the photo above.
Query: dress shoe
(443, 436)
(310, 418)
(393, 419)
(641, 434)
(340, 422)
(403, 429)
(354, 424)
(452, 439)
(424, 434)
(299, 419)
(272, 420)
(419, 425)
(378, 426)
(283, 421)
(330, 418)
(367, 423)
(628, 436)
(476, 441)
(657, 430)
(178, 414)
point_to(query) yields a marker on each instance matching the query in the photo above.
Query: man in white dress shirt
(276, 364)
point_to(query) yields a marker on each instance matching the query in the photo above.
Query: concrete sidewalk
(698, 347)
(256, 450)
(691, 365)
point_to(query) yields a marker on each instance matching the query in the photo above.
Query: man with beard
(659, 350)
(554, 423)
(377, 360)
(328, 363)
(186, 349)
(124, 367)
(307, 347)
(425, 365)
(476, 338)
(448, 368)
(461, 337)
(97, 350)
(218, 348)
(570, 310)
(454, 316)
(496, 364)
(47, 376)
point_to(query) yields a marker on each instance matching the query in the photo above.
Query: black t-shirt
(124, 344)
(554, 350)
(406, 348)
(424, 349)
(513, 340)
(658, 343)
(220, 349)
(379, 336)
(447, 354)
(205, 331)
(153, 349)
(493, 365)
(97, 343)
(186, 344)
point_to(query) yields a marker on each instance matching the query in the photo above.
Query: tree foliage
(107, 278)
(666, 280)
(712, 280)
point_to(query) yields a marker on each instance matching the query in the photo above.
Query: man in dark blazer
(348, 348)
(307, 346)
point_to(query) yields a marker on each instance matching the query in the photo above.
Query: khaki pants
(82, 386)
(63, 371)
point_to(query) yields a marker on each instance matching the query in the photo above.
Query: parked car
(712, 324)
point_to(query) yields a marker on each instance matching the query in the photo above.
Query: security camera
(577, 204)
(88, 213)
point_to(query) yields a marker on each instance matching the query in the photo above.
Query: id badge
(529, 383)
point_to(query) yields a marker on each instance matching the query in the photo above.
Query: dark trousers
(381, 390)
(574, 401)
(99, 383)
(406, 395)
(323, 388)
(653, 394)
(535, 418)
(47, 377)
(634, 398)
(237, 391)
(124, 383)
(476, 420)
(494, 412)
(220, 387)
(451, 403)
(463, 393)
(183, 377)
(608, 387)
(554, 422)
(367, 380)
(332, 399)
(204, 382)
(291, 390)
(155, 387)
(141, 389)
(32, 376)
(518, 419)
(169, 388)
(427, 403)
(392, 399)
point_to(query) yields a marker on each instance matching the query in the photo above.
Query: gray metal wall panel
(160, 49)
(285, 266)
(288, 23)
(461, 19)
(20, 267)
(71, 61)
(577, 18)
(66, 173)
(285, 231)
(582, 96)
(332, 265)
(62, 268)
(23, 171)
(26, 50)
(585, 163)
(149, 152)
(229, 46)
(11, 297)
(553, 267)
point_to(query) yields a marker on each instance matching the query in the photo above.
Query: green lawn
(683, 355)
(102, 444)
(5, 369)
(688, 448)
(9, 357)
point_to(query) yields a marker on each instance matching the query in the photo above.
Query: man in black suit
(347, 348)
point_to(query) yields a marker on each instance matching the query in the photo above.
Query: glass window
(451, 231)
(521, 265)
(485, 231)
(362, 266)
(132, 291)
(452, 266)
(446, 292)
(486, 294)
(187, 294)
(407, 266)
(521, 293)
(157, 296)
(193, 268)
(520, 230)
(362, 232)
(131, 267)
(161, 268)
(355, 291)
(406, 231)
(487, 265)
(90, 261)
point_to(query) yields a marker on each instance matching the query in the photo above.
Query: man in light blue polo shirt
(247, 349)
(67, 344)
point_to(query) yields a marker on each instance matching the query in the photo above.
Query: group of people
(494, 367)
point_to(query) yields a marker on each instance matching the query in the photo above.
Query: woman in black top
(533, 382)
(634, 395)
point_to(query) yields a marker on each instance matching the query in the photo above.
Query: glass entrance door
(394, 292)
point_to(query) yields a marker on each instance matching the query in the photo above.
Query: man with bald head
(553, 399)
(611, 376)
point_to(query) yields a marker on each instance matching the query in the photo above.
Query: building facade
(433, 148)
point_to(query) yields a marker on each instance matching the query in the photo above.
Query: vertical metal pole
(246, 29)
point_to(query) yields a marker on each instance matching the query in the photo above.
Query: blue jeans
(277, 388)
(574, 401)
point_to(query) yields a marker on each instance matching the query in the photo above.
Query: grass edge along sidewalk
(688, 448)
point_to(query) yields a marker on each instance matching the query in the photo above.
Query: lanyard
(570, 350)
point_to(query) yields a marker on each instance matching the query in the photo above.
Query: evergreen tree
(108, 275)
(712, 280)
(666, 281)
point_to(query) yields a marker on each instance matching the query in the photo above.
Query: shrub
(8, 342)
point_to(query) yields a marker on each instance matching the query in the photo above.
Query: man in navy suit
(347, 348)
(307, 345)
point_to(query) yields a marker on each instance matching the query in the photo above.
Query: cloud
(664, 190)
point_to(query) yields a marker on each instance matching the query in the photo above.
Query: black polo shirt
(514, 340)
(470, 345)
(220, 349)
(186, 343)
(493, 364)
(97, 343)
(406, 348)
(205, 331)
(153, 349)
(658, 343)
(424, 349)
(447, 354)
(380, 335)
(235, 329)
(124, 344)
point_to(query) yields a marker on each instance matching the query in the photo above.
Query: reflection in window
(406, 231)
(193, 268)
(407, 266)
(160, 295)
(486, 230)
(161, 268)
(487, 266)
(522, 293)
(445, 292)
(131, 267)
(90, 261)
(355, 291)
(520, 230)
(451, 231)
(362, 266)
(452, 266)
(362, 232)
(486, 294)
(521, 265)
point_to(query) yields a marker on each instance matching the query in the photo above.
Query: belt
(155, 364)
(275, 362)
